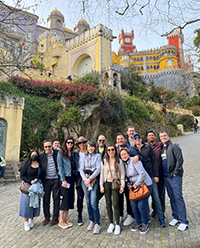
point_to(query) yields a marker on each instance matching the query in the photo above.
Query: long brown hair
(65, 151)
(107, 157)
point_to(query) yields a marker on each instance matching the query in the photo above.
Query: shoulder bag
(24, 188)
(116, 183)
(139, 193)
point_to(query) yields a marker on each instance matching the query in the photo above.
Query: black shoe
(144, 229)
(80, 220)
(136, 227)
(153, 214)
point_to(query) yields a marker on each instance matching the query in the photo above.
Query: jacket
(36, 192)
(105, 170)
(64, 165)
(174, 159)
(103, 153)
(149, 160)
(132, 150)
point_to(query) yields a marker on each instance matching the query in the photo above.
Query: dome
(67, 29)
(81, 20)
(56, 11)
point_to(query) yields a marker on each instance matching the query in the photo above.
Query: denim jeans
(92, 203)
(2, 169)
(140, 209)
(156, 200)
(174, 190)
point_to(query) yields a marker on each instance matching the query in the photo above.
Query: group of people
(106, 170)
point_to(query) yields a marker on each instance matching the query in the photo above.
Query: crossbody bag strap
(110, 171)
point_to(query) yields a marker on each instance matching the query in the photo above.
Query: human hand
(121, 190)
(102, 190)
(135, 159)
(156, 179)
(64, 184)
(87, 182)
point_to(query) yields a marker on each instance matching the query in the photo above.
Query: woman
(135, 174)
(67, 168)
(90, 167)
(81, 144)
(30, 173)
(112, 168)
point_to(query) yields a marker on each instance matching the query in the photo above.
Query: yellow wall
(13, 117)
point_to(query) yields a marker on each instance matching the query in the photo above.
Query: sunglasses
(112, 149)
(47, 147)
(70, 143)
(101, 140)
(84, 142)
(137, 138)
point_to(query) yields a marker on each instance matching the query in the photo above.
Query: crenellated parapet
(18, 102)
(89, 35)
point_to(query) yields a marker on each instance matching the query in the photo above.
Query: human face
(101, 140)
(130, 132)
(56, 144)
(151, 137)
(164, 138)
(124, 155)
(48, 148)
(121, 140)
(90, 149)
(138, 140)
(111, 151)
(82, 146)
(69, 144)
(34, 153)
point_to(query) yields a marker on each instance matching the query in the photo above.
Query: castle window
(169, 62)
(142, 68)
(141, 58)
(150, 57)
(138, 68)
(58, 23)
(157, 66)
(147, 58)
(12, 28)
(147, 67)
(28, 34)
(137, 59)
(154, 67)
(153, 57)
(50, 44)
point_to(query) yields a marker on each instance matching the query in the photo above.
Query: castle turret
(81, 26)
(126, 41)
(55, 21)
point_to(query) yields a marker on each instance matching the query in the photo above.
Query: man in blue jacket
(172, 161)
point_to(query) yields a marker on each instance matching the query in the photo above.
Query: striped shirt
(51, 172)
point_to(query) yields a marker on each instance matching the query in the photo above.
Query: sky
(145, 37)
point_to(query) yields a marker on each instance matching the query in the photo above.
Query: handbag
(139, 193)
(116, 183)
(89, 172)
(24, 188)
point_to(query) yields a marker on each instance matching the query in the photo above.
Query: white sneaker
(97, 229)
(182, 227)
(117, 229)
(31, 223)
(90, 226)
(110, 228)
(173, 222)
(129, 220)
(26, 226)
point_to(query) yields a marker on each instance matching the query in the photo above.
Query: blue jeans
(2, 169)
(140, 209)
(156, 200)
(174, 190)
(92, 203)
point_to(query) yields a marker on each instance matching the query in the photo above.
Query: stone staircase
(11, 172)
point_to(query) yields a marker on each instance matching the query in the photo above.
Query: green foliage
(112, 110)
(69, 116)
(88, 78)
(37, 60)
(186, 120)
(196, 110)
(135, 109)
(194, 101)
(133, 82)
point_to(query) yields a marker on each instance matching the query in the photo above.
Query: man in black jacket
(172, 161)
(48, 161)
(150, 164)
(101, 147)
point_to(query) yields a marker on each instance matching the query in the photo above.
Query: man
(130, 131)
(151, 167)
(157, 146)
(48, 161)
(2, 168)
(172, 161)
(121, 142)
(56, 145)
(101, 147)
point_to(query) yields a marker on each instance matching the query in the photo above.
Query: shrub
(196, 110)
(186, 120)
(91, 78)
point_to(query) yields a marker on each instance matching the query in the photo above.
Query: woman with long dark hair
(90, 167)
(112, 168)
(31, 172)
(67, 168)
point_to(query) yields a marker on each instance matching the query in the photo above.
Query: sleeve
(140, 169)
(3, 162)
(155, 163)
(101, 176)
(82, 167)
(134, 152)
(23, 174)
(179, 159)
(60, 166)
(122, 173)
(98, 167)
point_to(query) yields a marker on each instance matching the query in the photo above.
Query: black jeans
(80, 193)
(121, 202)
(161, 191)
(51, 185)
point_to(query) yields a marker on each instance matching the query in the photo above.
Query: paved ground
(12, 233)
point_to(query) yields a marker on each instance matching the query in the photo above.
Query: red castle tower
(176, 38)
(126, 41)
